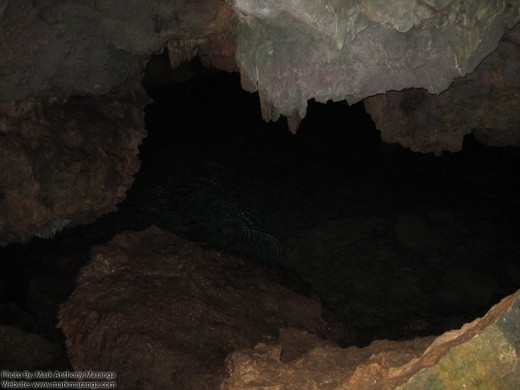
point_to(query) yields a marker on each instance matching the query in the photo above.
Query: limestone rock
(289, 50)
(485, 101)
(163, 313)
(292, 51)
(64, 163)
(482, 354)
(63, 48)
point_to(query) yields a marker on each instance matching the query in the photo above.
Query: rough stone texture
(70, 47)
(320, 367)
(163, 313)
(485, 101)
(288, 50)
(295, 50)
(216, 50)
(482, 354)
(64, 163)
(20, 350)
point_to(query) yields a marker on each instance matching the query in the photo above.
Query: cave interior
(396, 244)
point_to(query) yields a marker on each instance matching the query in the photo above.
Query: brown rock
(75, 48)
(322, 367)
(66, 163)
(163, 313)
(485, 102)
(483, 354)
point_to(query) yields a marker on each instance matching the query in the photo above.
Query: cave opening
(395, 244)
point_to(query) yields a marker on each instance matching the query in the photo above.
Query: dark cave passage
(396, 244)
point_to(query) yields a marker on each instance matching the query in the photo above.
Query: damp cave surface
(396, 244)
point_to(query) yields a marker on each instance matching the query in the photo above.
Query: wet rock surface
(163, 313)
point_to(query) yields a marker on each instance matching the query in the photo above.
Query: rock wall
(482, 354)
(65, 162)
(292, 51)
(71, 105)
(163, 313)
(289, 50)
(484, 102)
(73, 47)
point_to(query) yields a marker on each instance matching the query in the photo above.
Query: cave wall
(74, 47)
(71, 102)
(484, 102)
(290, 51)
(63, 163)
(295, 50)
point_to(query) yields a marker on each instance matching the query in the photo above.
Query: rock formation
(290, 51)
(71, 121)
(63, 163)
(481, 354)
(71, 116)
(484, 102)
(162, 313)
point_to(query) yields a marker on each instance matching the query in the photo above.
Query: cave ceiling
(290, 51)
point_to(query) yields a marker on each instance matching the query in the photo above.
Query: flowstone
(295, 50)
